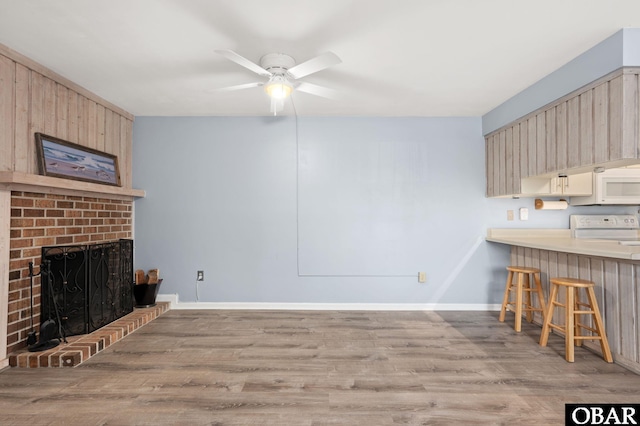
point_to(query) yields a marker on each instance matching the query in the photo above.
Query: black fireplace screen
(90, 285)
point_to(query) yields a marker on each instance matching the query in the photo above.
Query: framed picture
(59, 158)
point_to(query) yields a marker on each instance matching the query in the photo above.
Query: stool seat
(572, 282)
(523, 269)
(574, 307)
(527, 281)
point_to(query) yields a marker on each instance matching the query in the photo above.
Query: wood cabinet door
(601, 123)
(550, 140)
(586, 128)
(562, 162)
(502, 159)
(489, 168)
(515, 183)
(541, 143)
(508, 171)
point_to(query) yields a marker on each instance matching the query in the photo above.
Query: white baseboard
(171, 298)
(176, 304)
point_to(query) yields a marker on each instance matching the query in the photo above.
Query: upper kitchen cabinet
(567, 186)
(595, 126)
(503, 162)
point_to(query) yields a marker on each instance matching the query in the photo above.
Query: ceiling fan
(282, 73)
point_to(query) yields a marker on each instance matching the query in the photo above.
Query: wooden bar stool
(525, 277)
(573, 307)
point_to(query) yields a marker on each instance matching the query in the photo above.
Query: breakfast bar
(560, 240)
(613, 266)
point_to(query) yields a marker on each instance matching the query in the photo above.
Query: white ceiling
(400, 57)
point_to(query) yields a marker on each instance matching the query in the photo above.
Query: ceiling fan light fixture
(281, 70)
(278, 87)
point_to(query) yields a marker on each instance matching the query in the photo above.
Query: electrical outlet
(509, 214)
(422, 277)
(200, 276)
(524, 213)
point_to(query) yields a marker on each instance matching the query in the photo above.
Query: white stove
(620, 228)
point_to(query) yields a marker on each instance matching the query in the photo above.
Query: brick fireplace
(43, 219)
(37, 210)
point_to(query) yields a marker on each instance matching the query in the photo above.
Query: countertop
(560, 240)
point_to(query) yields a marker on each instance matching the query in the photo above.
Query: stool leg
(505, 299)
(543, 305)
(528, 303)
(576, 307)
(548, 314)
(519, 302)
(604, 343)
(569, 324)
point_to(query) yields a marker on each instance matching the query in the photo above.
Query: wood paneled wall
(35, 99)
(617, 290)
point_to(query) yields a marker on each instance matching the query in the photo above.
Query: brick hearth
(38, 220)
(81, 348)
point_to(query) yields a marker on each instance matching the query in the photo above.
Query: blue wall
(338, 210)
(347, 214)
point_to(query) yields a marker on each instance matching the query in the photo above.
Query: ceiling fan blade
(242, 61)
(316, 64)
(240, 87)
(314, 89)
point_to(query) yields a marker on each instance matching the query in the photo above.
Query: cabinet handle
(564, 182)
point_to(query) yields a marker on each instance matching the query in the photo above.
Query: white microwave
(613, 187)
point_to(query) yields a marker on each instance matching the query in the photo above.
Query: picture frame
(64, 159)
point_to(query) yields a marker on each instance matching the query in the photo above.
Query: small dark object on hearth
(145, 294)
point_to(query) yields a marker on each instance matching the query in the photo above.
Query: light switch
(422, 277)
(509, 214)
(524, 213)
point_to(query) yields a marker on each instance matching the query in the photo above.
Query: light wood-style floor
(318, 368)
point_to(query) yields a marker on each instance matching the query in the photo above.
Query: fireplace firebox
(89, 285)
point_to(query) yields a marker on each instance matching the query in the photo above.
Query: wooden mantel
(18, 181)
